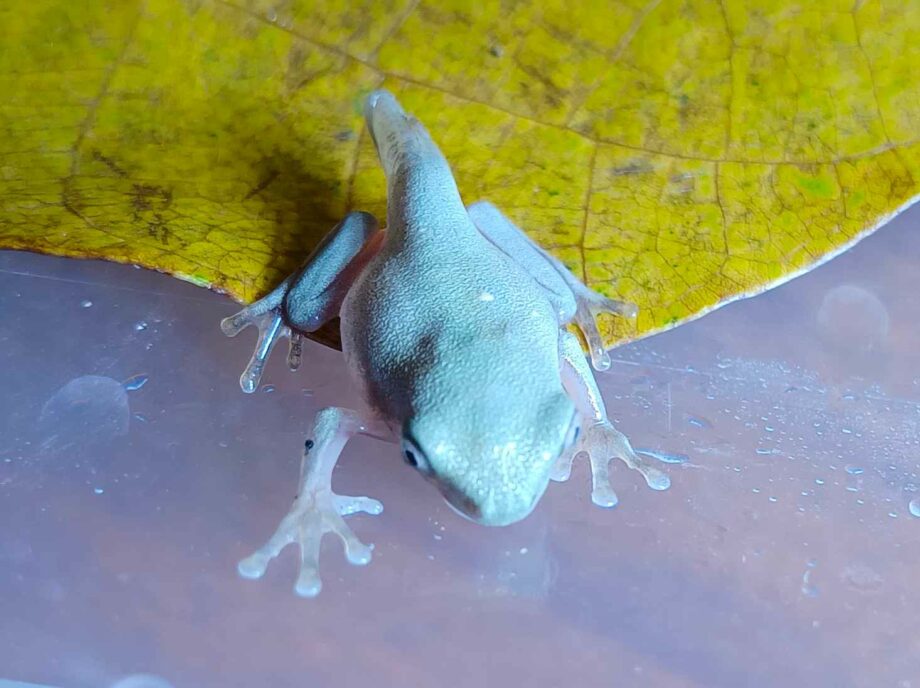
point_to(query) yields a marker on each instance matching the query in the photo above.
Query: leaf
(676, 153)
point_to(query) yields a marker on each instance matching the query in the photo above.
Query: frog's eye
(414, 457)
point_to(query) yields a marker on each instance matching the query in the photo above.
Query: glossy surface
(134, 474)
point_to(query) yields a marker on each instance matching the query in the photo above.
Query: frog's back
(455, 308)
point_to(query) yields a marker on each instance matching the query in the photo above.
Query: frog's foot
(591, 304)
(266, 316)
(602, 442)
(310, 297)
(313, 515)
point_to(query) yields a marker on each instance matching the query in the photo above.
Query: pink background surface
(784, 554)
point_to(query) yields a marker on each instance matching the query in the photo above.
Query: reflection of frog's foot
(590, 304)
(265, 315)
(312, 516)
(602, 442)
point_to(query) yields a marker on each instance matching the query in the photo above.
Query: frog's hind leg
(308, 298)
(318, 510)
(572, 299)
(598, 438)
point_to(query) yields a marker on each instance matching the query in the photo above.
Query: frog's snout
(488, 514)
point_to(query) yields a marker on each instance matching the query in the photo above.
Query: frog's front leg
(571, 298)
(308, 298)
(598, 438)
(318, 510)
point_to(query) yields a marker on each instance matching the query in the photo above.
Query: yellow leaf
(675, 153)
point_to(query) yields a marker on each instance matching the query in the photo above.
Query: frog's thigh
(577, 378)
(511, 241)
(565, 289)
(315, 293)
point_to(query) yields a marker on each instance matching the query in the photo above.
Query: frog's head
(491, 457)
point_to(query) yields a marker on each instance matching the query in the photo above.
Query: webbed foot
(266, 316)
(318, 510)
(311, 516)
(603, 442)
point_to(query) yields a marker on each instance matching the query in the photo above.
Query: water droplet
(853, 319)
(819, 481)
(862, 578)
(854, 470)
(140, 326)
(86, 411)
(699, 422)
(808, 588)
(268, 389)
(86, 303)
(664, 457)
(772, 499)
(142, 681)
(135, 382)
(98, 490)
(914, 507)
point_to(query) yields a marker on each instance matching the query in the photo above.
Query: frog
(460, 333)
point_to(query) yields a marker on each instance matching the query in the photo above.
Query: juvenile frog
(453, 326)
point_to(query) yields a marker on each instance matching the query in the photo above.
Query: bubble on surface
(142, 681)
(135, 382)
(87, 410)
(853, 318)
(914, 507)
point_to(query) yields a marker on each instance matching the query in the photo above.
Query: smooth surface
(784, 554)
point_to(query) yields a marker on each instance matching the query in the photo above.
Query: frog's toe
(562, 469)
(586, 322)
(306, 524)
(347, 506)
(590, 305)
(271, 328)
